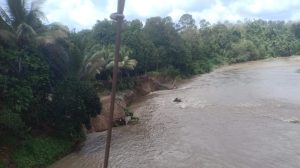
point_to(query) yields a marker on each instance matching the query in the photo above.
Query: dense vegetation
(49, 74)
(42, 91)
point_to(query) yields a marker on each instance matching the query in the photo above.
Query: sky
(83, 14)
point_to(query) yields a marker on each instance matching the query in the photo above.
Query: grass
(8, 143)
(41, 151)
(2, 165)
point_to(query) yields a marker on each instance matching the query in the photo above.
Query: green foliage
(104, 32)
(272, 38)
(12, 121)
(2, 165)
(128, 112)
(41, 151)
(169, 45)
(243, 51)
(295, 28)
(23, 82)
(46, 70)
(170, 71)
(201, 67)
(186, 21)
(125, 83)
(72, 105)
(143, 49)
(21, 20)
(19, 96)
(99, 60)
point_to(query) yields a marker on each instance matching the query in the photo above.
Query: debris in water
(293, 120)
(182, 105)
(127, 119)
(177, 100)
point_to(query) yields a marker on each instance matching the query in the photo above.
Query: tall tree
(186, 21)
(142, 47)
(22, 20)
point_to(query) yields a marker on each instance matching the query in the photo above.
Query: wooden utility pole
(118, 16)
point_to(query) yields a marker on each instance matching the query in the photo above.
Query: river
(240, 116)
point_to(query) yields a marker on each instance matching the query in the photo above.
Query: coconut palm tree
(125, 63)
(21, 20)
(101, 58)
(21, 26)
(55, 44)
(18, 24)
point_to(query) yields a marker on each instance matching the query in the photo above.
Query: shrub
(128, 112)
(170, 71)
(2, 164)
(125, 83)
(243, 51)
(201, 67)
(23, 84)
(74, 102)
(41, 151)
(12, 121)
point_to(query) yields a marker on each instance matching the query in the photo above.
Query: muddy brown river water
(241, 116)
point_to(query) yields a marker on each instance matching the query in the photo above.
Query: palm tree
(21, 20)
(21, 26)
(55, 44)
(18, 23)
(94, 61)
(125, 63)
(52, 33)
(101, 58)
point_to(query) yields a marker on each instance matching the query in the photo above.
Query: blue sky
(81, 14)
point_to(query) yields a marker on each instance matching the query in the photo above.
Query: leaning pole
(118, 17)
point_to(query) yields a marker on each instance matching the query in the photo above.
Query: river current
(239, 116)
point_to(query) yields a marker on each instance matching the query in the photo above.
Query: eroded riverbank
(237, 116)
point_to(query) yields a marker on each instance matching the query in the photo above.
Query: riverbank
(144, 85)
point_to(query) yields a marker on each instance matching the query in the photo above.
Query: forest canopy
(49, 74)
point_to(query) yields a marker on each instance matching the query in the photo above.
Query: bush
(125, 83)
(128, 112)
(13, 122)
(201, 67)
(2, 164)
(170, 71)
(122, 84)
(74, 102)
(41, 152)
(23, 84)
(243, 51)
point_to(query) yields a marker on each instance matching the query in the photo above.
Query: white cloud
(84, 13)
(217, 12)
(239, 10)
(154, 7)
(177, 13)
(262, 6)
(296, 16)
